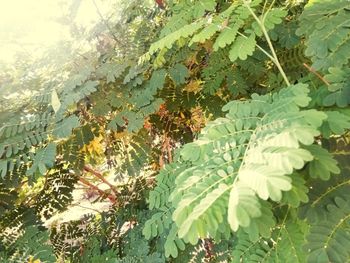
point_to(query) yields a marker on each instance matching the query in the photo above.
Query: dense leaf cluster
(224, 123)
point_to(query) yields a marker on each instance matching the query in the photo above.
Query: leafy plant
(221, 129)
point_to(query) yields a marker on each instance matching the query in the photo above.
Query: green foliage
(242, 47)
(31, 245)
(161, 222)
(93, 254)
(57, 192)
(273, 18)
(339, 87)
(218, 69)
(284, 246)
(179, 73)
(326, 25)
(64, 128)
(44, 158)
(211, 154)
(241, 157)
(129, 154)
(323, 163)
(263, 149)
(327, 237)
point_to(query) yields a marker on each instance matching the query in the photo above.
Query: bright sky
(30, 26)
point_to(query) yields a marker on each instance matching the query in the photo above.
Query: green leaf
(184, 32)
(261, 226)
(266, 182)
(274, 17)
(243, 205)
(101, 108)
(157, 79)
(3, 168)
(179, 73)
(205, 34)
(325, 25)
(208, 202)
(328, 238)
(44, 159)
(111, 71)
(64, 128)
(336, 123)
(286, 159)
(202, 6)
(298, 193)
(90, 86)
(255, 147)
(242, 48)
(55, 101)
(323, 164)
(226, 37)
(173, 243)
(33, 244)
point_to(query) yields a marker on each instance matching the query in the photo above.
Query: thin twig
(166, 147)
(268, 10)
(99, 176)
(267, 37)
(259, 47)
(312, 70)
(106, 23)
(94, 187)
(89, 208)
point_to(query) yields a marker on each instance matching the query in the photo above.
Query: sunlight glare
(31, 26)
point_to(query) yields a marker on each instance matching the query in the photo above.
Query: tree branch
(100, 176)
(94, 187)
(316, 74)
(106, 23)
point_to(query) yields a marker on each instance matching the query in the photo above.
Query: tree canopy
(195, 131)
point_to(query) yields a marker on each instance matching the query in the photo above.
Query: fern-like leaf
(328, 38)
(44, 159)
(254, 149)
(328, 238)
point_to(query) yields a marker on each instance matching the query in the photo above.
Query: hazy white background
(31, 26)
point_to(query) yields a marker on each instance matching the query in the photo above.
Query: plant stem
(105, 22)
(268, 10)
(100, 192)
(99, 176)
(274, 55)
(316, 74)
(259, 47)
